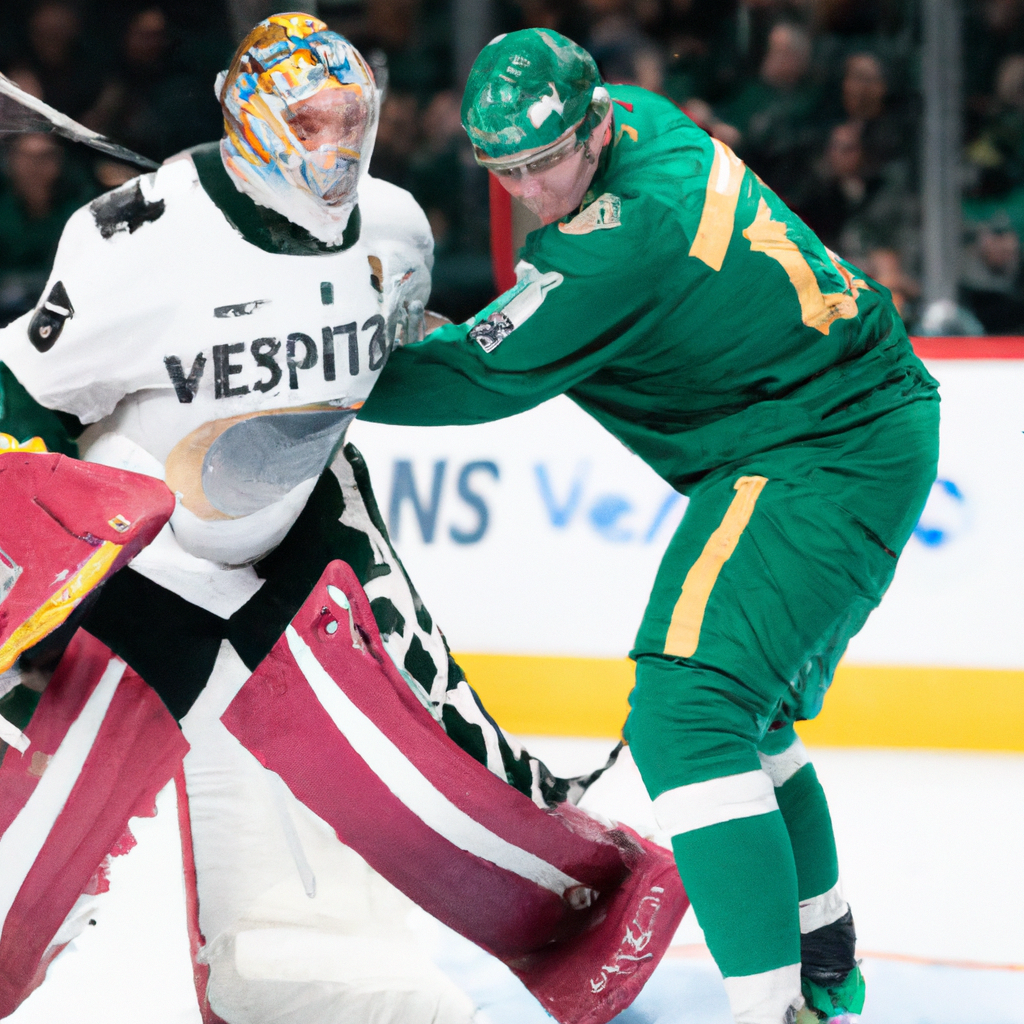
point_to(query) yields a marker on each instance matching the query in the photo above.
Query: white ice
(930, 844)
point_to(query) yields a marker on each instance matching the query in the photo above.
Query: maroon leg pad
(580, 911)
(129, 748)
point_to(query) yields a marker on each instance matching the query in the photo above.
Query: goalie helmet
(300, 118)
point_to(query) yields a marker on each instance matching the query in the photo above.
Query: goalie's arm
(89, 340)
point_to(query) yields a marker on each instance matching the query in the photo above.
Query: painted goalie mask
(300, 117)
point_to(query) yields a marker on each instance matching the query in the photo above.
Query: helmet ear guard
(600, 104)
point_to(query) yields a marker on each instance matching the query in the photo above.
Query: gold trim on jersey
(183, 470)
(816, 310)
(59, 605)
(718, 217)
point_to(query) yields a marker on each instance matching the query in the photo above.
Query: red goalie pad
(65, 526)
(581, 912)
(102, 745)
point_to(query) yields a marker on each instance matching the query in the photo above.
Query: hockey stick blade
(15, 105)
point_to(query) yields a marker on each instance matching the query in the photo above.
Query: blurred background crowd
(823, 98)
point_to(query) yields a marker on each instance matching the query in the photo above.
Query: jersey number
(714, 233)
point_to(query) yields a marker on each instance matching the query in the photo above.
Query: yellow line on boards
(559, 696)
(868, 705)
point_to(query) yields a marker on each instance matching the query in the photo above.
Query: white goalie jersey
(233, 369)
(229, 364)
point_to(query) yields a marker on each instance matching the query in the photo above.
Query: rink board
(535, 540)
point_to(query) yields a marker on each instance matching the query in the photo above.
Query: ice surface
(930, 845)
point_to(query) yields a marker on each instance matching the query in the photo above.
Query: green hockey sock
(805, 811)
(741, 880)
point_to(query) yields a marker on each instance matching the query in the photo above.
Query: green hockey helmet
(528, 91)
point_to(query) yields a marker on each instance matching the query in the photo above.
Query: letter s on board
(475, 502)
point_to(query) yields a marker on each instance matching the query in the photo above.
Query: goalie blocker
(65, 527)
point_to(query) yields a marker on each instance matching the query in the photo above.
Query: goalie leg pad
(102, 746)
(293, 975)
(581, 912)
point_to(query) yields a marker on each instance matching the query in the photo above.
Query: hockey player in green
(674, 297)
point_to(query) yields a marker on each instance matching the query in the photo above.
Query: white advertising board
(541, 534)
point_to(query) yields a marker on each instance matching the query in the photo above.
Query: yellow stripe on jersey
(718, 217)
(816, 310)
(688, 614)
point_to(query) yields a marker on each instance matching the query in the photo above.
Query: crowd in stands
(820, 97)
(141, 73)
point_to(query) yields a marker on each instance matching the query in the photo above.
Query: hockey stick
(15, 102)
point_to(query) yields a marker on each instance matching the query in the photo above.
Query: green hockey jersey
(684, 307)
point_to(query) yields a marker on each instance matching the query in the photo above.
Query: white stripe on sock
(405, 780)
(782, 767)
(821, 910)
(764, 998)
(700, 804)
(23, 841)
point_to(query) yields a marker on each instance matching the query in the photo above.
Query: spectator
(563, 16)
(159, 101)
(610, 22)
(997, 153)
(702, 114)
(886, 131)
(55, 65)
(855, 207)
(40, 193)
(397, 138)
(886, 267)
(843, 186)
(993, 29)
(777, 114)
(438, 174)
(411, 37)
(703, 48)
(625, 55)
(452, 190)
(634, 61)
(991, 280)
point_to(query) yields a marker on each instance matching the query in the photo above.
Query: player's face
(330, 119)
(554, 184)
(330, 126)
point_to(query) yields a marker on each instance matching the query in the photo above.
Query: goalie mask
(300, 117)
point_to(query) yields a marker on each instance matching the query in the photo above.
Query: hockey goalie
(263, 670)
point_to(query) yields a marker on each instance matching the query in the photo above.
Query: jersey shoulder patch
(125, 209)
(48, 321)
(515, 307)
(143, 200)
(603, 213)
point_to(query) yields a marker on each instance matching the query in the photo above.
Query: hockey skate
(832, 985)
(835, 1004)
